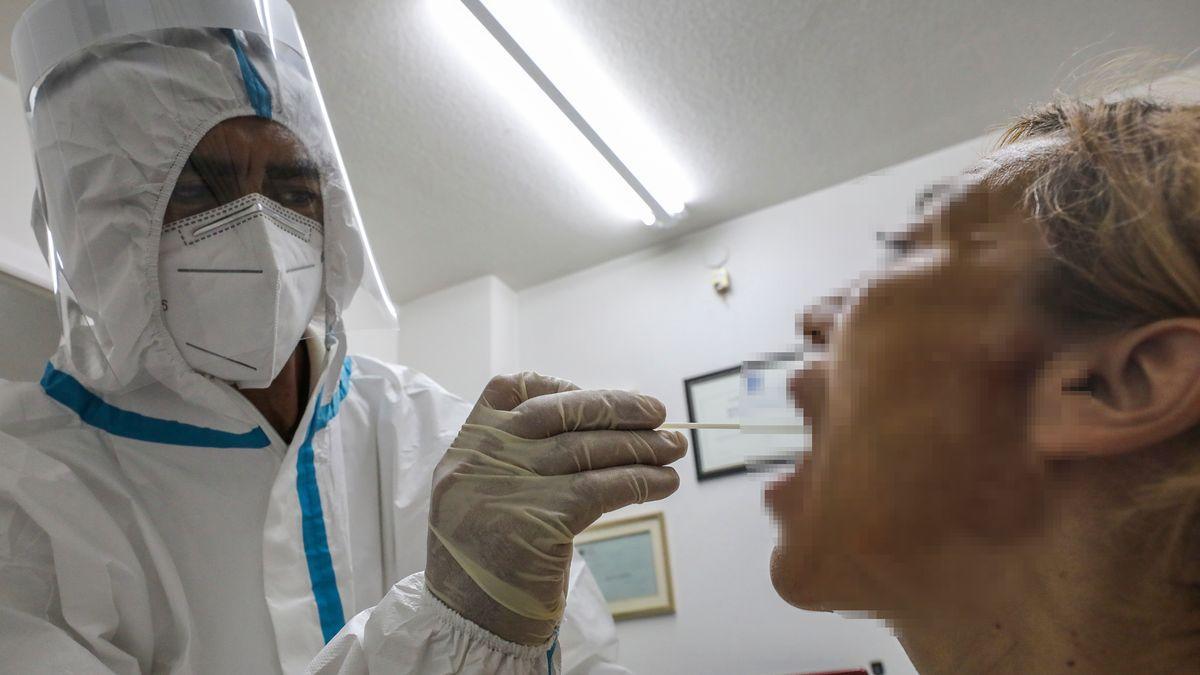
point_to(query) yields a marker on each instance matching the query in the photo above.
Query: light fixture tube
(662, 214)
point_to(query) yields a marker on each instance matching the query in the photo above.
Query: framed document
(716, 397)
(629, 560)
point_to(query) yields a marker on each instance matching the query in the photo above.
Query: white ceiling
(759, 100)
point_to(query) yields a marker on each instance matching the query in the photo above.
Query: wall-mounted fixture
(715, 258)
(721, 282)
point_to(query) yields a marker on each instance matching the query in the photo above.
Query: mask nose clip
(252, 208)
(244, 209)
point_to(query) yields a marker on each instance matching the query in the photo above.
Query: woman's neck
(1071, 599)
(1025, 638)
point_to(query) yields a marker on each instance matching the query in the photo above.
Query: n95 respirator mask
(239, 285)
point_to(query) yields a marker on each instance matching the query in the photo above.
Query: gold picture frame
(632, 565)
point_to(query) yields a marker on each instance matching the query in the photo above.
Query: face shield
(196, 210)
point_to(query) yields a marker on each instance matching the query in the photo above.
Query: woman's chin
(812, 582)
(790, 582)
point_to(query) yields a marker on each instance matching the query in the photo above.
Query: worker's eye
(191, 189)
(298, 197)
(191, 194)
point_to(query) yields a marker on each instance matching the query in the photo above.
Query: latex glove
(537, 462)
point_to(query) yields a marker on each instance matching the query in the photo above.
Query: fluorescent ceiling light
(528, 54)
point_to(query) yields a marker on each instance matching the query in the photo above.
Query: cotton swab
(699, 425)
(748, 428)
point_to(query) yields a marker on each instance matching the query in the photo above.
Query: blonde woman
(1007, 460)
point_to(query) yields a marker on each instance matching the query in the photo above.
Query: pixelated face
(918, 412)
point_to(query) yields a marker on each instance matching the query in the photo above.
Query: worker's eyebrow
(306, 170)
(222, 167)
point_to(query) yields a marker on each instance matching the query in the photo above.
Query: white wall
(463, 335)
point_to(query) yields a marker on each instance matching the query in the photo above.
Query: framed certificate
(716, 397)
(629, 559)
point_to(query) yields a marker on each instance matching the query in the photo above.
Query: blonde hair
(1117, 198)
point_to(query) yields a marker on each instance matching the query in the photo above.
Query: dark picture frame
(697, 434)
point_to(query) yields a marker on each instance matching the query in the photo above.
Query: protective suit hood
(115, 109)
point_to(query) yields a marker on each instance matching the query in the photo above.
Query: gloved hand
(537, 461)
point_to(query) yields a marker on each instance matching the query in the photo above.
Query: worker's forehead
(243, 136)
(248, 143)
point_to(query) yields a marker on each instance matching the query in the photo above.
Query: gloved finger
(506, 392)
(606, 490)
(589, 450)
(584, 410)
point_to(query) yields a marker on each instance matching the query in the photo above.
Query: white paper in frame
(624, 555)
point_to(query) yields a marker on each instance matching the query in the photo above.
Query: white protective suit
(151, 520)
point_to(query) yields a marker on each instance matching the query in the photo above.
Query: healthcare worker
(203, 480)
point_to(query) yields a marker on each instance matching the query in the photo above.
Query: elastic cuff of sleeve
(496, 643)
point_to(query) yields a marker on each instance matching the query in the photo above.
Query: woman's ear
(1121, 394)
